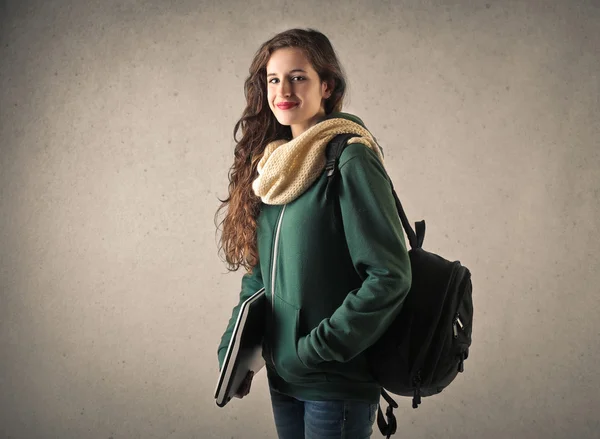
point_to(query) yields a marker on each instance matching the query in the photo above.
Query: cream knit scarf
(288, 168)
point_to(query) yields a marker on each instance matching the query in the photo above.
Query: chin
(284, 119)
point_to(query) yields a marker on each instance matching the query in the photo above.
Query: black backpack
(426, 345)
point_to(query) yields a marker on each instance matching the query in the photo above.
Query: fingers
(244, 388)
(249, 380)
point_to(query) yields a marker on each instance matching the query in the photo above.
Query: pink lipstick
(286, 105)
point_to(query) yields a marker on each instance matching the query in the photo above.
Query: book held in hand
(244, 353)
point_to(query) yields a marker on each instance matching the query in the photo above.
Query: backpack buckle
(330, 168)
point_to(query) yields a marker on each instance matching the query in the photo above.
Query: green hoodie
(336, 272)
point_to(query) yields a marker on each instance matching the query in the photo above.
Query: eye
(294, 79)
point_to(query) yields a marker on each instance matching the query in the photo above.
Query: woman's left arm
(375, 239)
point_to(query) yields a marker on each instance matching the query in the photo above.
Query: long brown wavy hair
(258, 127)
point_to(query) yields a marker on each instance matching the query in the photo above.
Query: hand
(244, 388)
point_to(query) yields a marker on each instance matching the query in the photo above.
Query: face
(295, 93)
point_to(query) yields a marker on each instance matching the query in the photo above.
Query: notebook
(244, 353)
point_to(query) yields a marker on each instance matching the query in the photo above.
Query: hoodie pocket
(285, 342)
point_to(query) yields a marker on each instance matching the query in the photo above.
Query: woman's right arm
(251, 283)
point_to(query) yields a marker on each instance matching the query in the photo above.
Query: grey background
(116, 126)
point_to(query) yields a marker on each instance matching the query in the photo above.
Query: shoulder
(358, 152)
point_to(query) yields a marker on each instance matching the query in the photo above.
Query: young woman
(335, 268)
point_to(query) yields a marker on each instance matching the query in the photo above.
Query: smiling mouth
(286, 106)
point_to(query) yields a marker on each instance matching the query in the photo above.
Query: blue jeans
(296, 419)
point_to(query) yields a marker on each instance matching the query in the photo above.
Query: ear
(327, 89)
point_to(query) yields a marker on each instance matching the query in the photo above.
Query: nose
(285, 88)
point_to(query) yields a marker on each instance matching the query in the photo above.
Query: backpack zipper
(273, 270)
(417, 389)
(456, 322)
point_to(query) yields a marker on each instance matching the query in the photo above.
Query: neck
(300, 128)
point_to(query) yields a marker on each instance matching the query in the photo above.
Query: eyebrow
(291, 71)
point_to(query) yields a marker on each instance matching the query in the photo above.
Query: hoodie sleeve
(375, 239)
(251, 283)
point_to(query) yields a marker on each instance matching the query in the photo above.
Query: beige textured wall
(115, 142)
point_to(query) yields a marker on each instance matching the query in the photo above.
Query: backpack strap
(387, 428)
(333, 153)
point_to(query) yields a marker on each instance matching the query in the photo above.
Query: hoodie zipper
(273, 271)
